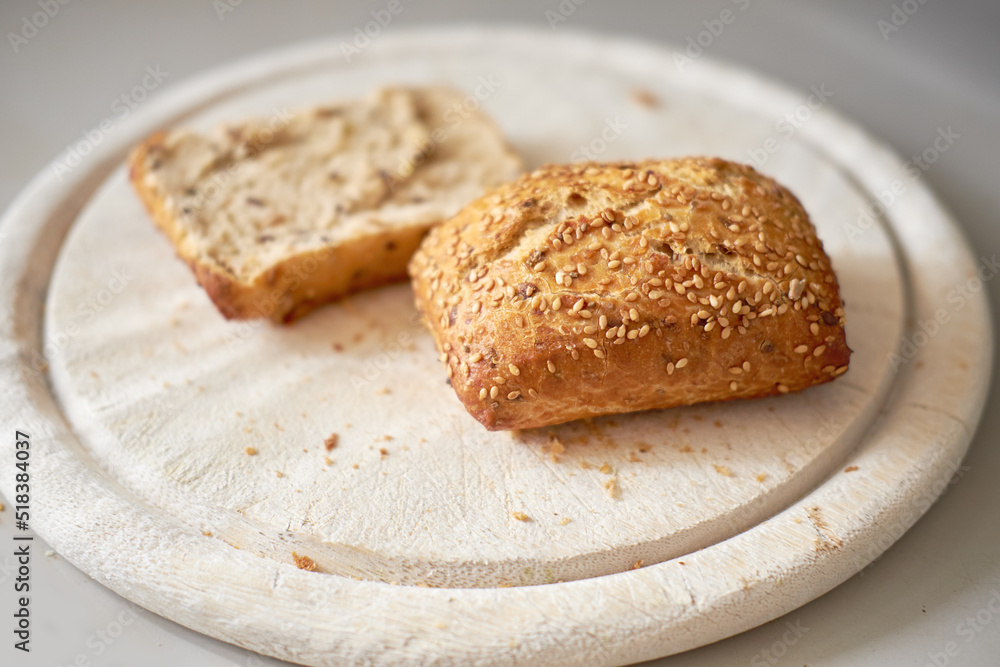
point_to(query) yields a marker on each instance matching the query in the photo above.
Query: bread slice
(593, 289)
(277, 216)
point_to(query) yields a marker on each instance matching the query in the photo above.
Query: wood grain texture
(144, 452)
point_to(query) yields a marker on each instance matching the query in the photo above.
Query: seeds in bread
(278, 216)
(594, 289)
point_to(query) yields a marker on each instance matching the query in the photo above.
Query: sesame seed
(494, 391)
(727, 332)
(482, 394)
(736, 370)
(814, 328)
(795, 288)
(819, 350)
(681, 363)
(633, 334)
(514, 369)
(512, 395)
(590, 329)
(551, 366)
(578, 306)
(590, 342)
(746, 366)
(602, 322)
(573, 353)
(532, 393)
(829, 369)
(631, 296)
(557, 304)
(540, 266)
(801, 349)
(783, 388)
(656, 294)
(599, 354)
(733, 385)
(644, 330)
(586, 314)
(614, 264)
(611, 333)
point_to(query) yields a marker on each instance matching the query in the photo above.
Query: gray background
(940, 69)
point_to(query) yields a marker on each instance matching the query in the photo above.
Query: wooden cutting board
(183, 460)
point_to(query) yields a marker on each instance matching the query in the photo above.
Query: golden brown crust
(602, 288)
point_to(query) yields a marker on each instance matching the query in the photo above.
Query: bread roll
(593, 289)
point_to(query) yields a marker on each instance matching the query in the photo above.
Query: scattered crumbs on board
(761, 477)
(520, 516)
(611, 486)
(723, 470)
(606, 468)
(565, 520)
(850, 468)
(331, 441)
(251, 451)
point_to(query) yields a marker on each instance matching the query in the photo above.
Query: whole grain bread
(278, 215)
(593, 289)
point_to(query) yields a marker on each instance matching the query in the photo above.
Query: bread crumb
(337, 347)
(251, 451)
(50, 554)
(238, 413)
(304, 562)
(279, 473)
(248, 429)
(355, 466)
(382, 391)
(850, 468)
(639, 563)
(383, 452)
(686, 449)
(520, 516)
(761, 477)
(606, 469)
(585, 465)
(643, 447)
(565, 520)
(2, 507)
(331, 441)
(645, 98)
(388, 438)
(723, 470)
(278, 426)
(718, 424)
(206, 533)
(612, 488)
(634, 458)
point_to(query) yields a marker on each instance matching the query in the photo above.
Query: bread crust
(594, 289)
(300, 282)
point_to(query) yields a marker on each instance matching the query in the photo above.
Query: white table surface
(932, 599)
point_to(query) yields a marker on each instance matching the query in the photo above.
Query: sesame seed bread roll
(277, 216)
(594, 289)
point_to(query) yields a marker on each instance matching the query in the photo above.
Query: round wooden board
(735, 512)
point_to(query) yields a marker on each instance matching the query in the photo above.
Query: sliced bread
(277, 216)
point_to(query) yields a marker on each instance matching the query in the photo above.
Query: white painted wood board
(738, 512)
